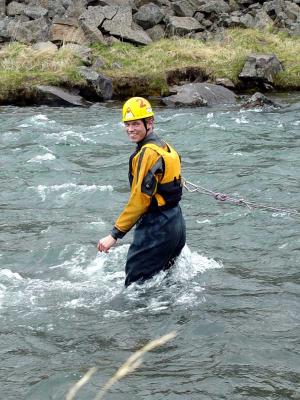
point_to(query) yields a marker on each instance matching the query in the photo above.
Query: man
(156, 189)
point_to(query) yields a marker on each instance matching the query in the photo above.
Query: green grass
(216, 59)
(145, 70)
(21, 68)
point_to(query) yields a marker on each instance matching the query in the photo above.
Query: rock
(185, 8)
(76, 8)
(98, 63)
(214, 6)
(4, 31)
(35, 12)
(56, 8)
(128, 3)
(29, 32)
(92, 18)
(273, 8)
(47, 47)
(100, 87)
(113, 20)
(261, 68)
(121, 26)
(225, 82)
(67, 31)
(259, 100)
(156, 33)
(54, 96)
(2, 7)
(262, 19)
(200, 94)
(15, 8)
(82, 52)
(95, 16)
(292, 11)
(181, 26)
(148, 16)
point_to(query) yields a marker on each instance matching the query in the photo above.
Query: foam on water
(100, 282)
(69, 189)
(242, 120)
(43, 157)
(74, 138)
(40, 119)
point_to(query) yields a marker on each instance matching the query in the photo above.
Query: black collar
(151, 138)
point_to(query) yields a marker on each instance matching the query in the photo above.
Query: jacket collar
(151, 138)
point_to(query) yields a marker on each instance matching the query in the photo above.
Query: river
(232, 298)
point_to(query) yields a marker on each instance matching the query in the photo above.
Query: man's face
(136, 130)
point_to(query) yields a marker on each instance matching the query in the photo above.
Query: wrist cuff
(117, 234)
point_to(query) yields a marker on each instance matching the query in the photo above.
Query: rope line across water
(191, 187)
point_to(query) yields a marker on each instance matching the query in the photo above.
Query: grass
(145, 70)
(216, 59)
(21, 68)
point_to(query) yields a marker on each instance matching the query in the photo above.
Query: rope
(191, 187)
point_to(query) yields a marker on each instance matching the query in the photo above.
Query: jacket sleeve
(139, 200)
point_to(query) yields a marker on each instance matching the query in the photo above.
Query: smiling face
(136, 130)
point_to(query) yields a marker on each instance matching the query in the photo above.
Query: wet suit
(159, 236)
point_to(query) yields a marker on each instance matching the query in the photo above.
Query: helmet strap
(145, 124)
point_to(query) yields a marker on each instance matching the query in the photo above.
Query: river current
(232, 297)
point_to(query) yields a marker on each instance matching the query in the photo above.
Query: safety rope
(191, 187)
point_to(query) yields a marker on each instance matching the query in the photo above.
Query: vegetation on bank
(149, 69)
(21, 68)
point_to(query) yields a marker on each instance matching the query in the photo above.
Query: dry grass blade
(133, 362)
(78, 385)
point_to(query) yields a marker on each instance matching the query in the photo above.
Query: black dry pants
(158, 239)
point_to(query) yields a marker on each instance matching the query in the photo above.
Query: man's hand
(106, 243)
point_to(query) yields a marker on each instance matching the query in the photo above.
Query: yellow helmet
(136, 108)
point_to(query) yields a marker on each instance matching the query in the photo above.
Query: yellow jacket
(154, 176)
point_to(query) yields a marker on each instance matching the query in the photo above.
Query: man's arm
(138, 202)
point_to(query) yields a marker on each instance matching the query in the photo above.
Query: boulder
(54, 96)
(181, 26)
(200, 94)
(45, 47)
(292, 11)
(2, 7)
(29, 32)
(261, 68)
(257, 19)
(35, 12)
(112, 20)
(93, 18)
(214, 7)
(32, 11)
(56, 8)
(225, 82)
(157, 32)
(76, 8)
(259, 100)
(185, 8)
(82, 52)
(262, 19)
(128, 3)
(121, 25)
(67, 31)
(98, 63)
(15, 8)
(99, 86)
(148, 16)
(273, 8)
(4, 31)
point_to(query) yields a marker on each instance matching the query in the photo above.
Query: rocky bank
(80, 23)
